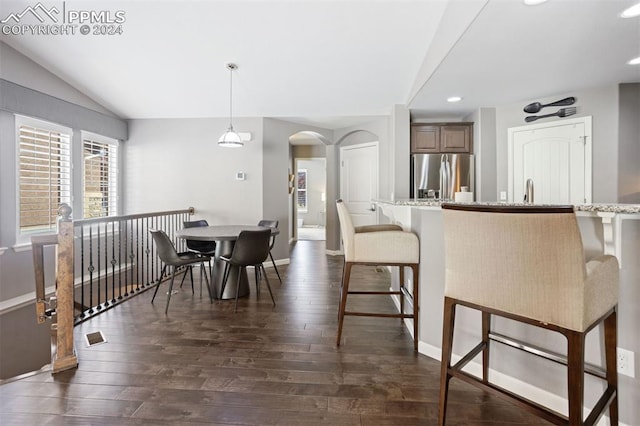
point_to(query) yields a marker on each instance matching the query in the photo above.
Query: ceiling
(332, 64)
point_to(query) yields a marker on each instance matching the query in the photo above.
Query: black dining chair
(201, 248)
(271, 224)
(168, 254)
(250, 249)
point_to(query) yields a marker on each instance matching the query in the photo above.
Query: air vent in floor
(95, 338)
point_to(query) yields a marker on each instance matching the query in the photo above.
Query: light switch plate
(503, 195)
(241, 176)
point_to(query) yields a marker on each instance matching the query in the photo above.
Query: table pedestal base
(224, 248)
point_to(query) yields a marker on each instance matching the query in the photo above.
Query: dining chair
(250, 249)
(167, 253)
(271, 224)
(527, 264)
(201, 248)
(378, 245)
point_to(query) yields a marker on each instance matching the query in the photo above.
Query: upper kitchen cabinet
(441, 137)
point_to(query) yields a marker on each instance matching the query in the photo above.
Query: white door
(556, 156)
(359, 181)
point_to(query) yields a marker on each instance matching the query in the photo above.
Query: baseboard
(334, 252)
(524, 389)
(279, 262)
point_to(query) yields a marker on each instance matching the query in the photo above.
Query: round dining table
(225, 237)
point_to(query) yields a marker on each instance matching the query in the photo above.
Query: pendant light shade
(230, 139)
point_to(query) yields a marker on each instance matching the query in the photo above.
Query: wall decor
(562, 112)
(534, 107)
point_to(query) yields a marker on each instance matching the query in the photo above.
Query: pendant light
(230, 139)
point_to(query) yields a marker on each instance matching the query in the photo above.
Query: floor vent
(95, 338)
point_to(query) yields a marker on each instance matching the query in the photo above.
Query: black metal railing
(115, 258)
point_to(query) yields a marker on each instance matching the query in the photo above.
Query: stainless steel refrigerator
(440, 176)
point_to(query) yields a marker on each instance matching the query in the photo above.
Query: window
(100, 176)
(44, 152)
(45, 178)
(302, 190)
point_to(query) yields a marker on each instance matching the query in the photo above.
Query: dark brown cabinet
(441, 137)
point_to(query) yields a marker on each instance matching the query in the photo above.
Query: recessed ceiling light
(533, 2)
(634, 61)
(631, 12)
(454, 99)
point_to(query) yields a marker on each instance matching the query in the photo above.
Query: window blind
(45, 176)
(302, 189)
(100, 178)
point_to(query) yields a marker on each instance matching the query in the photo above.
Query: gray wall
(629, 144)
(484, 149)
(176, 163)
(278, 161)
(28, 89)
(600, 103)
(400, 130)
(316, 186)
(373, 131)
(19, 69)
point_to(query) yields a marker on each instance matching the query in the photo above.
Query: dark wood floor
(262, 366)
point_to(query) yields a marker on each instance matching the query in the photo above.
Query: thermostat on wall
(240, 176)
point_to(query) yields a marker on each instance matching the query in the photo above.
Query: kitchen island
(606, 229)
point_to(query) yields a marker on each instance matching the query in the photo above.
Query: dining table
(224, 237)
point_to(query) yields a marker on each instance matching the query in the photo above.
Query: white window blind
(302, 190)
(45, 174)
(100, 177)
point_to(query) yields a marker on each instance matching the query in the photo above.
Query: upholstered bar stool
(378, 245)
(527, 264)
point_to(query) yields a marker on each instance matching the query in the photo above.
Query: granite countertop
(595, 208)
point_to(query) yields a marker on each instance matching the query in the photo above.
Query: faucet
(528, 194)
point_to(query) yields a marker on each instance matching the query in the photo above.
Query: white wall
(176, 163)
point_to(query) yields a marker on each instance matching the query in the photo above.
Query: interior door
(556, 156)
(359, 181)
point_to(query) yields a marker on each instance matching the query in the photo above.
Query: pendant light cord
(231, 97)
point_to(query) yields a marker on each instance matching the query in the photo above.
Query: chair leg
(275, 267)
(206, 280)
(575, 364)
(268, 285)
(183, 278)
(416, 306)
(225, 277)
(164, 268)
(447, 344)
(343, 299)
(211, 264)
(240, 272)
(190, 270)
(610, 344)
(486, 329)
(341, 286)
(256, 272)
(401, 269)
(191, 275)
(173, 276)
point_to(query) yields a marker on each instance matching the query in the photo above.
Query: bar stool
(527, 264)
(378, 245)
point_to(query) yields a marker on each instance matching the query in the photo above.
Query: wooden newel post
(65, 355)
